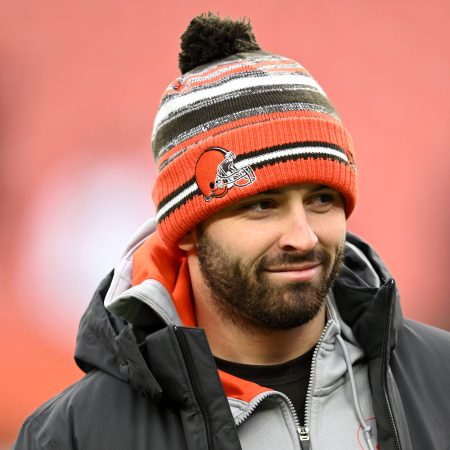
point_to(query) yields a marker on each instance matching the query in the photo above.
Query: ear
(188, 242)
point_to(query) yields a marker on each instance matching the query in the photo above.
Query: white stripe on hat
(283, 153)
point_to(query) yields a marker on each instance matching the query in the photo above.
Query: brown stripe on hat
(235, 105)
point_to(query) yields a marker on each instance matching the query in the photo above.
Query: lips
(293, 267)
(295, 272)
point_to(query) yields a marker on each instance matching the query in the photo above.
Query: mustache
(318, 255)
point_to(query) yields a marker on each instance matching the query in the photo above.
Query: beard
(244, 295)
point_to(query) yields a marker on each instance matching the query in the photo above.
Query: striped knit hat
(241, 121)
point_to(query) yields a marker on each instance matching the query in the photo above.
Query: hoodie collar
(150, 274)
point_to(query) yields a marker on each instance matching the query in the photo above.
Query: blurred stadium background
(80, 83)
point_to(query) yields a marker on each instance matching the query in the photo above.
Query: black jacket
(155, 386)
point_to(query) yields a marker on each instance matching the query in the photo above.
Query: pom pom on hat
(209, 38)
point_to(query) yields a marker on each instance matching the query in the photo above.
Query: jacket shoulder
(420, 365)
(433, 342)
(52, 424)
(65, 421)
(101, 412)
(423, 351)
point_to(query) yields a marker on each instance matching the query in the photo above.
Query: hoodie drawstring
(366, 427)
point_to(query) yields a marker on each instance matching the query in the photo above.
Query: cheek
(331, 230)
(240, 238)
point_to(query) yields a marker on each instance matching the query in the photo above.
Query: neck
(253, 345)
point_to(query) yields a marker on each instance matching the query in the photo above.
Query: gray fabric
(122, 272)
(134, 302)
(270, 426)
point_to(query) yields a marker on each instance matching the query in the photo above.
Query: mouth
(295, 272)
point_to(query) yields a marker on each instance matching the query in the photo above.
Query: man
(249, 318)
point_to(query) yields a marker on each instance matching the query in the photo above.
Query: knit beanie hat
(239, 121)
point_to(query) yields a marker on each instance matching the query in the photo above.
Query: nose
(297, 233)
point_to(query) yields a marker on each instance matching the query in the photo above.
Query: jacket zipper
(388, 317)
(303, 431)
(198, 394)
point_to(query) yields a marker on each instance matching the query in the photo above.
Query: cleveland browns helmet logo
(216, 173)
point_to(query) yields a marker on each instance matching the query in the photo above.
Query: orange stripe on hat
(280, 129)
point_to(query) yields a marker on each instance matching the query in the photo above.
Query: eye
(259, 206)
(325, 198)
(324, 201)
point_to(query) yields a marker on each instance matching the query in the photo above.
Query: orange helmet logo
(216, 173)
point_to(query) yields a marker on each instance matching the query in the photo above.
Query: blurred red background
(80, 83)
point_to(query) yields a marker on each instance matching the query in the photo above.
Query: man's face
(269, 260)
